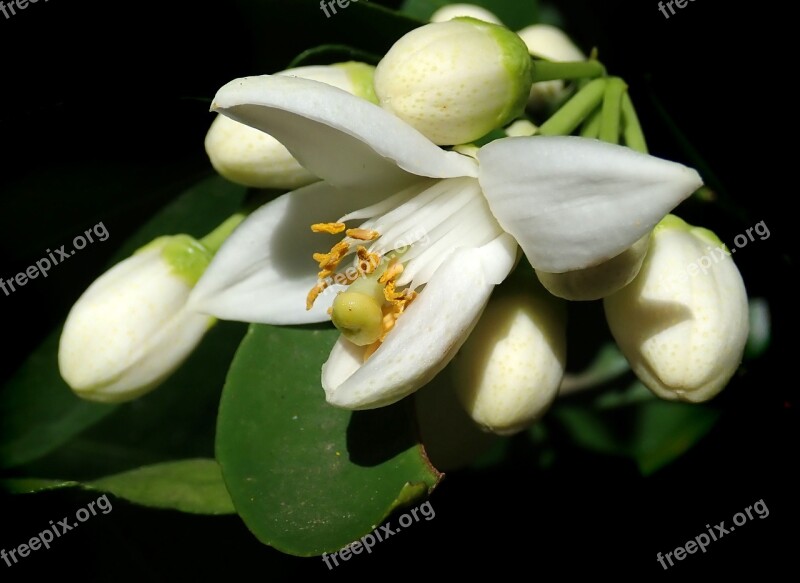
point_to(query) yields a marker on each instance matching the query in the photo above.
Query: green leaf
(33, 485)
(38, 411)
(666, 430)
(194, 486)
(515, 15)
(633, 423)
(307, 477)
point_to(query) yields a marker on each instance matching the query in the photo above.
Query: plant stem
(591, 127)
(573, 112)
(631, 129)
(612, 107)
(550, 71)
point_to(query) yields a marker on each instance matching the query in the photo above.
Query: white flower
(508, 372)
(451, 223)
(455, 81)
(683, 322)
(253, 158)
(131, 329)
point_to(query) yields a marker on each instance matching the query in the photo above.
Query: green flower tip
(362, 76)
(187, 257)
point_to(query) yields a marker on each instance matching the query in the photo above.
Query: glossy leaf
(306, 477)
(194, 486)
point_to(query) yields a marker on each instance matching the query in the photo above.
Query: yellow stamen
(331, 228)
(314, 293)
(392, 271)
(363, 234)
(367, 262)
(330, 260)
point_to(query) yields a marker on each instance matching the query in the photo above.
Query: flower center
(397, 248)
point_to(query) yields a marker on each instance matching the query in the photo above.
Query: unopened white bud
(131, 329)
(508, 372)
(455, 81)
(683, 321)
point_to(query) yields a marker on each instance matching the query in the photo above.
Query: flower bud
(683, 321)
(455, 81)
(598, 281)
(451, 11)
(508, 372)
(130, 329)
(548, 42)
(250, 157)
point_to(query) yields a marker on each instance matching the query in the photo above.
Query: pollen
(330, 261)
(315, 291)
(363, 234)
(392, 271)
(367, 262)
(330, 228)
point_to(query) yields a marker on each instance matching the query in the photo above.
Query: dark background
(103, 110)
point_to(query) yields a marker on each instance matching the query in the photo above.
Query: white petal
(426, 336)
(264, 271)
(345, 140)
(574, 202)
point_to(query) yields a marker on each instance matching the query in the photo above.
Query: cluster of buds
(454, 81)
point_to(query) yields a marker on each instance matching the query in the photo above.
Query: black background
(88, 86)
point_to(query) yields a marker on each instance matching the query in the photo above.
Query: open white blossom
(434, 230)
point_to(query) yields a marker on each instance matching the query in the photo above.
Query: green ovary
(358, 316)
